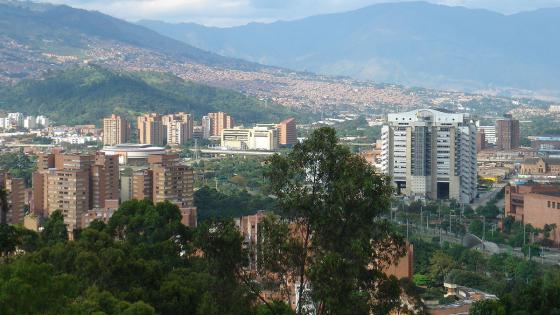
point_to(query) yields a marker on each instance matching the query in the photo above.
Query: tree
(8, 240)
(54, 229)
(487, 307)
(440, 266)
(333, 199)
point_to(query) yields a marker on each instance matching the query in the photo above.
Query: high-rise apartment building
(29, 122)
(431, 153)
(219, 122)
(42, 121)
(74, 184)
(507, 133)
(116, 130)
(151, 130)
(142, 184)
(105, 180)
(206, 124)
(166, 179)
(287, 132)
(15, 195)
(178, 128)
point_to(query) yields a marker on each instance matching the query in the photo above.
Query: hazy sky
(236, 12)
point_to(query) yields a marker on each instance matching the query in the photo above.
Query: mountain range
(411, 43)
(39, 36)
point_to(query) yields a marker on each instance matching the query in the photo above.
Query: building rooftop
(130, 147)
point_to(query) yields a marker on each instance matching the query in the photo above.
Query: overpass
(236, 152)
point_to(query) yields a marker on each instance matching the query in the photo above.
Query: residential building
(69, 192)
(151, 130)
(29, 122)
(178, 128)
(206, 124)
(42, 121)
(507, 133)
(261, 137)
(220, 121)
(116, 130)
(74, 184)
(126, 187)
(535, 204)
(287, 132)
(172, 181)
(16, 119)
(105, 180)
(430, 153)
(15, 195)
(142, 184)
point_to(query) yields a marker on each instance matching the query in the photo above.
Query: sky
(239, 12)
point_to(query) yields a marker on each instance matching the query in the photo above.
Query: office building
(116, 130)
(287, 132)
(178, 128)
(430, 153)
(261, 137)
(507, 133)
(151, 130)
(489, 134)
(220, 121)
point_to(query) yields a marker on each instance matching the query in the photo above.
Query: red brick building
(535, 204)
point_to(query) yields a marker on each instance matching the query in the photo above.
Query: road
(551, 255)
(487, 196)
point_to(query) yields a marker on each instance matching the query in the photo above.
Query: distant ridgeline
(86, 94)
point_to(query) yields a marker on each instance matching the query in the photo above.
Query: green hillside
(86, 94)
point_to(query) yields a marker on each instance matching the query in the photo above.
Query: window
(549, 203)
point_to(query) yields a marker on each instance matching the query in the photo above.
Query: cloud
(236, 12)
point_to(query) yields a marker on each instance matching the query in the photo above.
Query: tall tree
(333, 200)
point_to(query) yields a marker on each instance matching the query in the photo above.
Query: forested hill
(85, 94)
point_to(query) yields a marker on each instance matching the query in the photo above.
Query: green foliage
(420, 279)
(487, 307)
(18, 164)
(141, 262)
(232, 173)
(214, 204)
(54, 229)
(86, 94)
(335, 198)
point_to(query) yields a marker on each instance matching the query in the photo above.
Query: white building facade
(432, 154)
(261, 137)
